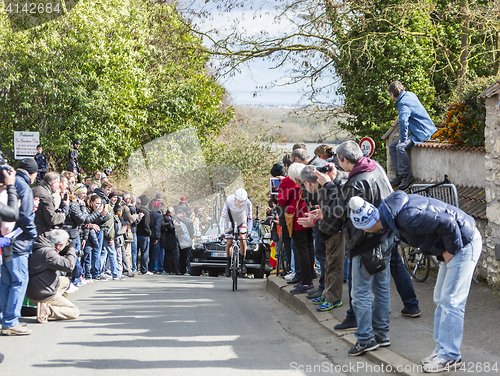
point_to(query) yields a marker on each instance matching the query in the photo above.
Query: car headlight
(198, 246)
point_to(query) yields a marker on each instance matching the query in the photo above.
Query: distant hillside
(294, 123)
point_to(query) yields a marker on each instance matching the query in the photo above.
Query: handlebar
(426, 189)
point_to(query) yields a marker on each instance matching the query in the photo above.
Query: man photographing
(329, 228)
(46, 287)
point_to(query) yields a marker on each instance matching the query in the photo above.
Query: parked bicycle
(418, 264)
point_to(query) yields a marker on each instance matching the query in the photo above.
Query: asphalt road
(179, 325)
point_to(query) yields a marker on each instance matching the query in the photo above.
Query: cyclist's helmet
(241, 195)
(107, 170)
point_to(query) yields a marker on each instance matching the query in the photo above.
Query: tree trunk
(496, 54)
(464, 40)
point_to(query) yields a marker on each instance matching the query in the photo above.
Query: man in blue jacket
(440, 230)
(415, 127)
(14, 279)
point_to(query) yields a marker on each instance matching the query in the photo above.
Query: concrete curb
(278, 288)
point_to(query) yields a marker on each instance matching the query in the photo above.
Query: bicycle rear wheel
(416, 263)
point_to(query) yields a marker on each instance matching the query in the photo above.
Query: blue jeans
(320, 255)
(450, 295)
(143, 246)
(157, 257)
(110, 251)
(402, 281)
(295, 261)
(87, 265)
(134, 253)
(350, 312)
(372, 321)
(346, 268)
(400, 162)
(96, 256)
(77, 272)
(161, 258)
(13, 285)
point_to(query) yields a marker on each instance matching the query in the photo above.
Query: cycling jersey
(241, 216)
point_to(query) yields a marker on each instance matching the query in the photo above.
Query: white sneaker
(148, 273)
(429, 359)
(290, 276)
(71, 288)
(442, 365)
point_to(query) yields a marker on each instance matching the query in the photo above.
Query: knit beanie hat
(363, 214)
(278, 169)
(28, 164)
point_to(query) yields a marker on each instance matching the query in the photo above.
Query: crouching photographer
(46, 287)
(329, 227)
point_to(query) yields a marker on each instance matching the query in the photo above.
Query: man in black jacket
(143, 233)
(46, 287)
(368, 180)
(46, 216)
(169, 243)
(441, 230)
(331, 296)
(73, 165)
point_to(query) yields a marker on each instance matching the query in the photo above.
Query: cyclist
(237, 210)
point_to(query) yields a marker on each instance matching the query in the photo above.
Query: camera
(4, 166)
(324, 169)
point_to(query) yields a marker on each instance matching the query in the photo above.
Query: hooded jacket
(44, 264)
(156, 218)
(368, 180)
(26, 220)
(427, 223)
(168, 236)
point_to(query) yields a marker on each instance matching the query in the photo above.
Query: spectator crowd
(61, 231)
(335, 213)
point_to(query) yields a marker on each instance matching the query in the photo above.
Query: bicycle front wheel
(417, 264)
(234, 269)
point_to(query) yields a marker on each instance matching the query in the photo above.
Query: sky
(249, 85)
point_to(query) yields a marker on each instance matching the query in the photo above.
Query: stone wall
(463, 167)
(468, 168)
(492, 189)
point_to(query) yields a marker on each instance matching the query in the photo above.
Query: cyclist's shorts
(242, 230)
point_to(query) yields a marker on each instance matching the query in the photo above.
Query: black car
(209, 253)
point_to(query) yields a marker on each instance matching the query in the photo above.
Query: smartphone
(65, 198)
(274, 184)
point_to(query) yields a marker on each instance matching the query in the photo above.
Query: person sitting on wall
(415, 127)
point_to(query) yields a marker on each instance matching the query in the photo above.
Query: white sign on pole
(25, 144)
(367, 146)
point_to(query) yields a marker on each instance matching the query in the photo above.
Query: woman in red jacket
(291, 197)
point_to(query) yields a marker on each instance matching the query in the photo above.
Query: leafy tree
(356, 48)
(116, 74)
